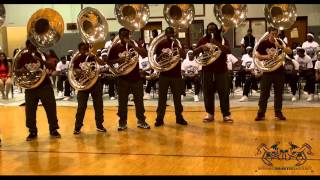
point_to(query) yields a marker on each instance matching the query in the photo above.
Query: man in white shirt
(310, 46)
(306, 71)
(108, 43)
(108, 78)
(190, 71)
(241, 75)
(231, 59)
(317, 67)
(62, 68)
(250, 76)
(291, 75)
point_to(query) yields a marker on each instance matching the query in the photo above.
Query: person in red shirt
(95, 91)
(265, 51)
(5, 76)
(172, 79)
(215, 75)
(130, 83)
(43, 92)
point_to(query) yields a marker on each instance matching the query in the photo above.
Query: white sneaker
(254, 92)
(305, 92)
(112, 98)
(67, 98)
(60, 94)
(294, 98)
(196, 98)
(131, 97)
(238, 90)
(147, 96)
(310, 97)
(243, 99)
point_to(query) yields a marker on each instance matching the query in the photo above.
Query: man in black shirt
(247, 40)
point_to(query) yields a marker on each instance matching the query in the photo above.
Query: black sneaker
(279, 116)
(182, 122)
(122, 127)
(101, 129)
(158, 123)
(55, 134)
(143, 125)
(32, 136)
(260, 117)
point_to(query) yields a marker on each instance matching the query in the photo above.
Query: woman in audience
(5, 76)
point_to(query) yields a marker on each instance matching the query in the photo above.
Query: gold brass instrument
(280, 16)
(228, 15)
(93, 28)
(132, 17)
(178, 16)
(44, 29)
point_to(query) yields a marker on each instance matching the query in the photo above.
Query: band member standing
(215, 75)
(130, 83)
(172, 79)
(266, 51)
(95, 91)
(43, 92)
(190, 70)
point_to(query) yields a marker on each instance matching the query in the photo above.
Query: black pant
(267, 79)
(187, 84)
(231, 76)
(240, 78)
(46, 95)
(67, 88)
(212, 82)
(82, 96)
(175, 85)
(111, 82)
(250, 83)
(309, 76)
(292, 79)
(127, 87)
(151, 84)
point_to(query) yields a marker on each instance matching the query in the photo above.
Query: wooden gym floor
(197, 149)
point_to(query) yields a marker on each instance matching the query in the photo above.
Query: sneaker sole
(122, 129)
(208, 120)
(276, 118)
(101, 130)
(56, 137)
(143, 127)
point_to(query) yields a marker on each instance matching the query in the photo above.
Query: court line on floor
(140, 154)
